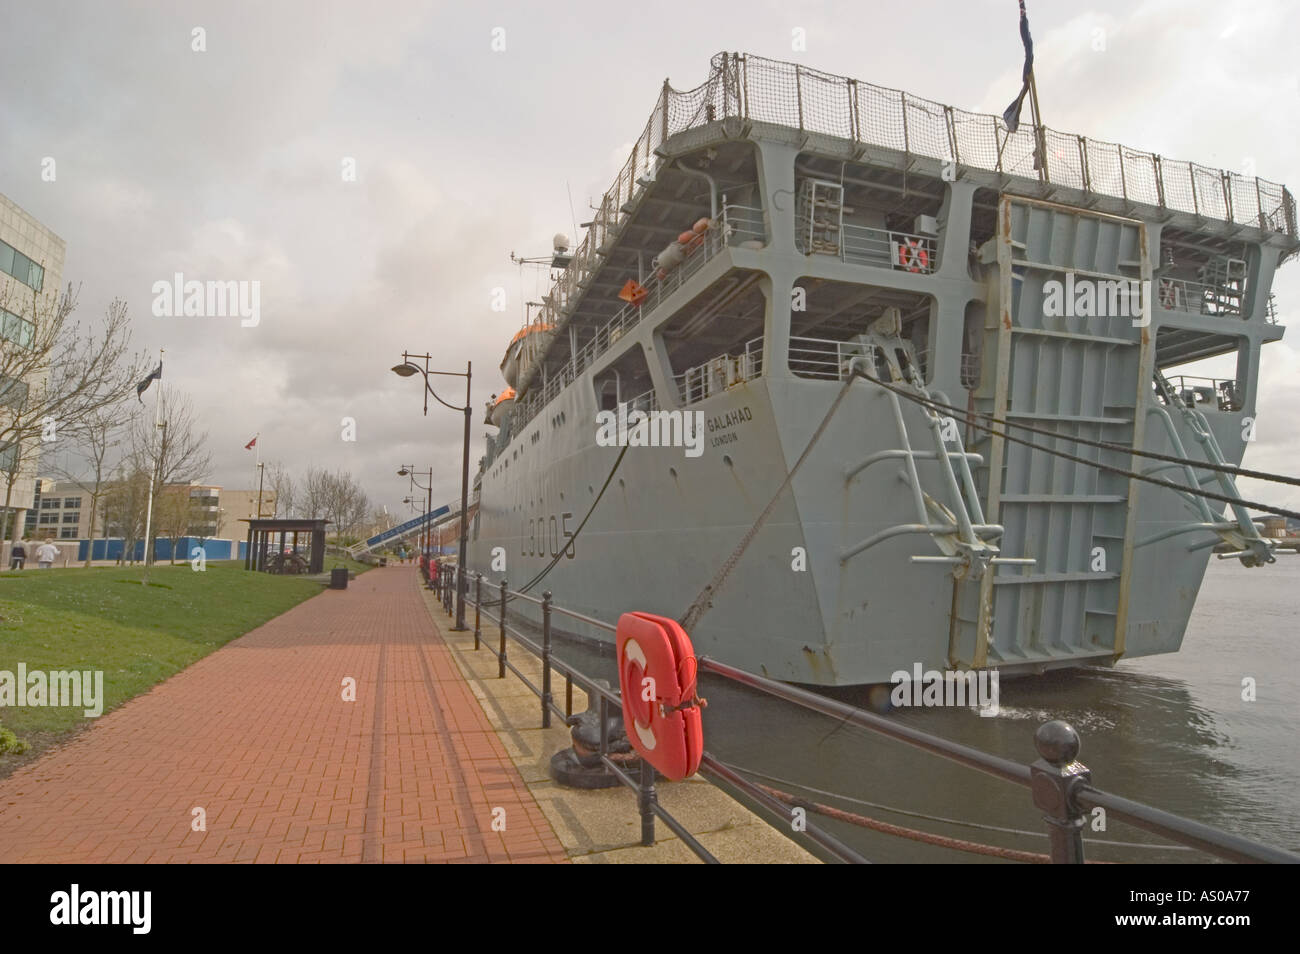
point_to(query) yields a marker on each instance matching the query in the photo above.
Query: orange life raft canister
(656, 673)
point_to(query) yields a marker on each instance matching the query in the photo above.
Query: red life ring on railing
(656, 675)
(913, 256)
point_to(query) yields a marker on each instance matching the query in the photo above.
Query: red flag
(249, 445)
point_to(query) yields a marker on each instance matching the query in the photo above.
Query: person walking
(46, 554)
(18, 555)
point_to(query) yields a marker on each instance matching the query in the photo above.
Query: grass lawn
(103, 619)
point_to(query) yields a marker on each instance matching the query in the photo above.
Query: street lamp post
(426, 531)
(406, 369)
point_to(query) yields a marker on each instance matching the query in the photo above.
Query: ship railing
(742, 223)
(1061, 788)
(719, 373)
(1199, 298)
(743, 88)
(658, 289)
(1220, 393)
(902, 251)
(823, 357)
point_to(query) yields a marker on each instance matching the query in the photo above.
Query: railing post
(1054, 780)
(546, 659)
(501, 654)
(647, 800)
(478, 605)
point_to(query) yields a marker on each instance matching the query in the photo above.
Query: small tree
(124, 509)
(176, 515)
(282, 489)
(99, 436)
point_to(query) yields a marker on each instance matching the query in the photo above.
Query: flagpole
(153, 470)
(257, 451)
(1040, 135)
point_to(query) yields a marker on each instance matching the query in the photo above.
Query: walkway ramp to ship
(412, 528)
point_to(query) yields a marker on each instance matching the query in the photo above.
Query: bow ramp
(1105, 543)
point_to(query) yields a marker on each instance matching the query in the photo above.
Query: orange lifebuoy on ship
(661, 712)
(913, 256)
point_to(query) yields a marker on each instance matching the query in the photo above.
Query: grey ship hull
(853, 577)
(667, 523)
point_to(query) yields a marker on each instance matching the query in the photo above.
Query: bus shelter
(285, 545)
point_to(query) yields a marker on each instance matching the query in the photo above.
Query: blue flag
(1011, 116)
(155, 375)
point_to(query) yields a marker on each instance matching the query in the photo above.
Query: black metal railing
(1061, 786)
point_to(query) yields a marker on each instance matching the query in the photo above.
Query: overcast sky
(226, 165)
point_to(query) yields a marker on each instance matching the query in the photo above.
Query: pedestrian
(46, 554)
(18, 555)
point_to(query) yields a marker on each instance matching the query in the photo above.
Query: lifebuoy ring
(656, 675)
(913, 256)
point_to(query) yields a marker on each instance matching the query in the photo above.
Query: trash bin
(383, 561)
(339, 578)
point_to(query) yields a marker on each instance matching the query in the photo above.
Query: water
(1171, 731)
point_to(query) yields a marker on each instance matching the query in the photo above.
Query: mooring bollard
(478, 604)
(1054, 781)
(501, 655)
(546, 659)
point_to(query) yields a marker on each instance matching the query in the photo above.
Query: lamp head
(405, 370)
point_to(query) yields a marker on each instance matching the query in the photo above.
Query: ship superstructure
(778, 229)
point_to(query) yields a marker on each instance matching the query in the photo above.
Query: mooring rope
(1133, 475)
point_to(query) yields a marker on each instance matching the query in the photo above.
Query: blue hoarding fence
(112, 548)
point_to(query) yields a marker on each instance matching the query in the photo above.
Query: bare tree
(97, 438)
(124, 508)
(55, 374)
(282, 487)
(337, 497)
(177, 514)
(315, 489)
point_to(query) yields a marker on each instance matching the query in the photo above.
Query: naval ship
(818, 268)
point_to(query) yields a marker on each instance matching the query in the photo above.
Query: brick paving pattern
(258, 735)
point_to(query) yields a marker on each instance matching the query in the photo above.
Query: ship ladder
(1240, 535)
(958, 528)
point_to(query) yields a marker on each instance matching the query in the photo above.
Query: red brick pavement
(258, 735)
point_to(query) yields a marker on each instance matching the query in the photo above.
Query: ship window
(716, 340)
(1202, 370)
(626, 381)
(827, 334)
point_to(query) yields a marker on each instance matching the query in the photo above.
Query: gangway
(412, 527)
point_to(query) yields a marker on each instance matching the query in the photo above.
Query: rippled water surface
(1171, 730)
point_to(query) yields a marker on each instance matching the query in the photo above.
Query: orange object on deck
(633, 292)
